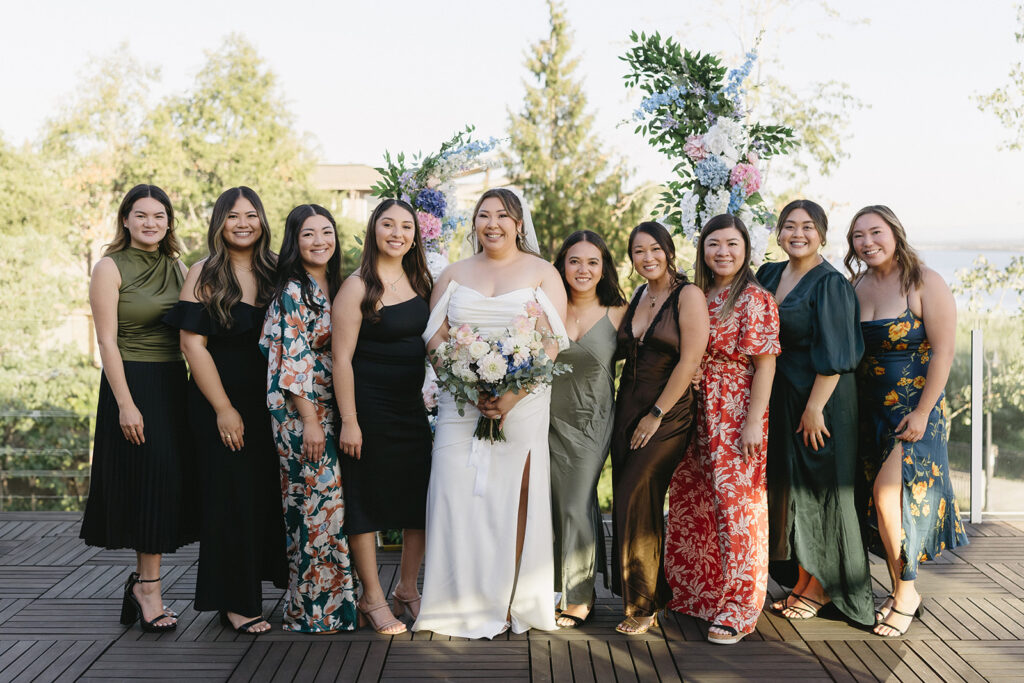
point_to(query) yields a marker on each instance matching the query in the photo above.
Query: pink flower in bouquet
(533, 309)
(522, 325)
(752, 157)
(746, 176)
(430, 396)
(430, 225)
(465, 335)
(695, 148)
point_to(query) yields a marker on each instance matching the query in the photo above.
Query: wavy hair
(609, 293)
(217, 286)
(414, 262)
(169, 245)
(513, 206)
(704, 277)
(911, 275)
(289, 262)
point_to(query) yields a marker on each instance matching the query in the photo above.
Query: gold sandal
(632, 626)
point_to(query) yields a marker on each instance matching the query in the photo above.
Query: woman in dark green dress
(582, 407)
(812, 442)
(909, 325)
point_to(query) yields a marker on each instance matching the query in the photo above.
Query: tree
(232, 128)
(569, 180)
(1007, 102)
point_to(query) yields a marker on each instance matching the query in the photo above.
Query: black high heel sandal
(167, 610)
(131, 609)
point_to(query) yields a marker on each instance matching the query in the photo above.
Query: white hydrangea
(436, 263)
(759, 236)
(688, 211)
(746, 215)
(715, 203)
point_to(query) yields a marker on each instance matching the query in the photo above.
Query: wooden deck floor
(59, 605)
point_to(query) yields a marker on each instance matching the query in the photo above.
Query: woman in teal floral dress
(908, 318)
(297, 341)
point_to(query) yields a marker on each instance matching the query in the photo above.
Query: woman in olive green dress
(140, 489)
(812, 443)
(582, 407)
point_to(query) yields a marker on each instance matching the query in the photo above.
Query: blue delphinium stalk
(712, 172)
(431, 201)
(736, 198)
(674, 95)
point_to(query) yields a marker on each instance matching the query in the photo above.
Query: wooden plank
(893, 652)
(601, 660)
(561, 666)
(831, 661)
(622, 660)
(664, 663)
(354, 659)
(373, 664)
(288, 669)
(641, 656)
(582, 668)
(250, 662)
(75, 661)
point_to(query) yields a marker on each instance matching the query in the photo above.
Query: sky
(362, 77)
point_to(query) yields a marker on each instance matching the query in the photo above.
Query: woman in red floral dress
(716, 554)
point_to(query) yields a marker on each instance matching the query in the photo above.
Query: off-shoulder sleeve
(554, 320)
(190, 316)
(836, 342)
(758, 323)
(439, 313)
(285, 342)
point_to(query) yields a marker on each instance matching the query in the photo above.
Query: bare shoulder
(690, 296)
(931, 280)
(538, 265)
(106, 270)
(616, 314)
(352, 289)
(181, 266)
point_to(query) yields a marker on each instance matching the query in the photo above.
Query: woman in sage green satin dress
(582, 411)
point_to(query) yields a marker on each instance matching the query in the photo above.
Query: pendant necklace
(392, 285)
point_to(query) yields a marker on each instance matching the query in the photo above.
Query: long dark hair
(414, 263)
(289, 263)
(217, 286)
(169, 245)
(911, 275)
(513, 206)
(609, 293)
(662, 236)
(704, 277)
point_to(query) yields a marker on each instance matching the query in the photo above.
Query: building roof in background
(345, 177)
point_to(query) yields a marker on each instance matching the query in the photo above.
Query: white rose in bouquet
(479, 349)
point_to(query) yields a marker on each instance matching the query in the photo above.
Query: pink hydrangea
(430, 225)
(746, 176)
(694, 147)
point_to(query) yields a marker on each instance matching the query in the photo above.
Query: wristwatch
(656, 411)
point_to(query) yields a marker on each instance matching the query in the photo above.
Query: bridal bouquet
(695, 114)
(470, 365)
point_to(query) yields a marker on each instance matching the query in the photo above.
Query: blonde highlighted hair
(911, 275)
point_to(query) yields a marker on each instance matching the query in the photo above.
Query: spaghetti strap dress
(640, 478)
(582, 408)
(891, 379)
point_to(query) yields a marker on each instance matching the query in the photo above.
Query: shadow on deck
(60, 601)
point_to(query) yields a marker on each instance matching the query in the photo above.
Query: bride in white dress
(472, 587)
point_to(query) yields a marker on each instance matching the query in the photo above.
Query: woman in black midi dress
(220, 315)
(379, 363)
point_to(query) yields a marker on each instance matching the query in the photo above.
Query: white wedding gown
(469, 582)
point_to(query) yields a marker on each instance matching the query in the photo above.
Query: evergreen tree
(569, 181)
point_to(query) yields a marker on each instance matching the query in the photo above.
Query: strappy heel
(131, 609)
(899, 632)
(879, 614)
(243, 628)
(380, 618)
(802, 612)
(167, 610)
(631, 626)
(401, 606)
(730, 636)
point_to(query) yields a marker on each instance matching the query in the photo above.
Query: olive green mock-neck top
(150, 285)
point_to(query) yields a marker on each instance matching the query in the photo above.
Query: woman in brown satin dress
(663, 338)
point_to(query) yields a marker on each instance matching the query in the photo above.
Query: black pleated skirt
(142, 497)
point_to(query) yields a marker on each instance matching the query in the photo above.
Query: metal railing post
(977, 426)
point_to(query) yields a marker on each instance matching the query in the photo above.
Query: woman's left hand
(498, 408)
(751, 438)
(913, 426)
(644, 431)
(812, 425)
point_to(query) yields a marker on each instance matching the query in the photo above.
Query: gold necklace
(392, 286)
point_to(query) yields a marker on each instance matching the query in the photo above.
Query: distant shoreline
(1016, 247)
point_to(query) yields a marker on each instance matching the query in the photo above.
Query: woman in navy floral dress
(908, 317)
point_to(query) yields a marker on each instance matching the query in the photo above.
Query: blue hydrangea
(712, 172)
(736, 198)
(431, 201)
(674, 95)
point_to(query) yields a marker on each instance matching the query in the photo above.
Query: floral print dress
(890, 380)
(297, 342)
(716, 547)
